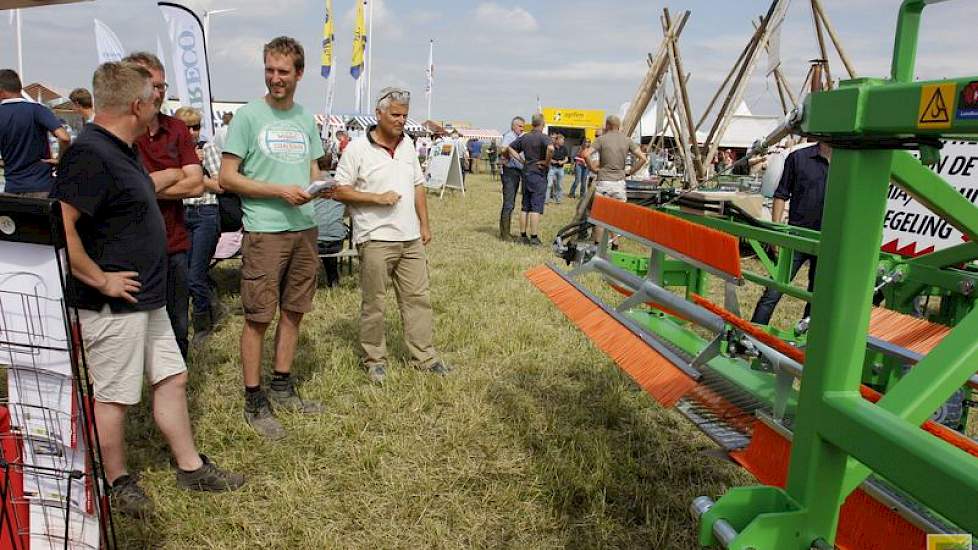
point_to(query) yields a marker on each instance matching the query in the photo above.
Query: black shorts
(534, 191)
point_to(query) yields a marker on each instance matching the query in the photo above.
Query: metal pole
(370, 46)
(431, 76)
(20, 47)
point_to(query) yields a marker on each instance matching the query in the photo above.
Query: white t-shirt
(369, 168)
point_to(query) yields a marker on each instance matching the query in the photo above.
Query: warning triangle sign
(936, 110)
(936, 106)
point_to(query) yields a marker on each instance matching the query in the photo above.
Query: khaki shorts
(278, 270)
(612, 189)
(119, 347)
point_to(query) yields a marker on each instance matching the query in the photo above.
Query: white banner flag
(107, 43)
(189, 62)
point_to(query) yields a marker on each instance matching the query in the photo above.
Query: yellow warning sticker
(948, 542)
(936, 106)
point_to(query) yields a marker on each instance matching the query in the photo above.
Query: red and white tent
(481, 134)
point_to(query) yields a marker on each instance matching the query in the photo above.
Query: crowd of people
(143, 201)
(533, 164)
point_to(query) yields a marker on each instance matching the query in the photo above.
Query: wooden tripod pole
(726, 80)
(820, 37)
(682, 97)
(773, 18)
(653, 77)
(817, 5)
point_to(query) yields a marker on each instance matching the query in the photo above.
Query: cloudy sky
(493, 58)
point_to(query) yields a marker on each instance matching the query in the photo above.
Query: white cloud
(515, 19)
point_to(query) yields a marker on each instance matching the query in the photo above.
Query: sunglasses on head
(397, 94)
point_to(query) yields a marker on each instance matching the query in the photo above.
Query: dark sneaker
(202, 328)
(439, 367)
(289, 400)
(524, 240)
(218, 312)
(259, 416)
(377, 373)
(535, 241)
(209, 478)
(128, 497)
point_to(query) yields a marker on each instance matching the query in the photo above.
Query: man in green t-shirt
(269, 159)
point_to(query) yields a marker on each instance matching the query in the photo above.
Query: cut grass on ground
(535, 441)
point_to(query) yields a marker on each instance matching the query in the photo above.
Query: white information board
(445, 169)
(909, 228)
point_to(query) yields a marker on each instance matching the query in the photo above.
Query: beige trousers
(406, 266)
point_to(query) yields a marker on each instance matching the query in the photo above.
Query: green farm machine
(838, 421)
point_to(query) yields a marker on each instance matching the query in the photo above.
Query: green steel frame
(839, 437)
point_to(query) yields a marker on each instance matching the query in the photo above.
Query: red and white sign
(909, 228)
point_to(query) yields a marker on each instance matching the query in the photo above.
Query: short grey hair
(146, 59)
(392, 95)
(613, 122)
(537, 121)
(117, 84)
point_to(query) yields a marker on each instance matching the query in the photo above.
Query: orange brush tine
(703, 244)
(864, 523)
(966, 444)
(652, 372)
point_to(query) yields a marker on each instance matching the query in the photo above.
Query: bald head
(612, 123)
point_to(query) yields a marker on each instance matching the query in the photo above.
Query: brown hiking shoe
(289, 400)
(209, 478)
(258, 415)
(128, 498)
(438, 367)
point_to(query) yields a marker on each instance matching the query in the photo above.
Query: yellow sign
(948, 542)
(936, 106)
(573, 118)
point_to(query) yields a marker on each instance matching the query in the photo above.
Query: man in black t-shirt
(555, 177)
(117, 245)
(803, 183)
(535, 150)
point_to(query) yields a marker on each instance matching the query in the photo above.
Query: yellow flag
(327, 56)
(359, 41)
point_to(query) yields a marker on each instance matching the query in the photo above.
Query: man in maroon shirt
(168, 153)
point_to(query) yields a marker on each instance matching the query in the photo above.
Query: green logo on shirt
(284, 141)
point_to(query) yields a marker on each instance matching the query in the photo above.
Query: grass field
(535, 441)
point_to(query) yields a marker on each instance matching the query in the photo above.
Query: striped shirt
(212, 166)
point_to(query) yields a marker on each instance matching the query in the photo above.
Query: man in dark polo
(24, 130)
(169, 154)
(117, 244)
(803, 183)
(535, 150)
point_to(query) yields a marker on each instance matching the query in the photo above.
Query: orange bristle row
(903, 330)
(864, 522)
(966, 444)
(766, 457)
(749, 328)
(703, 244)
(652, 372)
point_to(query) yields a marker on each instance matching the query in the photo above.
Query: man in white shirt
(380, 179)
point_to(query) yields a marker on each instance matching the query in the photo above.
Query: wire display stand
(52, 487)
